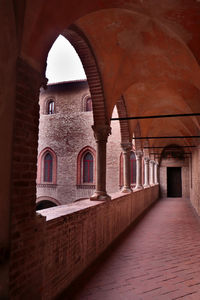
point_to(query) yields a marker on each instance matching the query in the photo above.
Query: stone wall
(67, 132)
(77, 233)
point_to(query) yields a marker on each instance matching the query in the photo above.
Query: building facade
(67, 148)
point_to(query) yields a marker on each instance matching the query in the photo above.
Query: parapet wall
(76, 234)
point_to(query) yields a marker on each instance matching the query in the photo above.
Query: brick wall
(67, 132)
(25, 259)
(8, 55)
(75, 234)
(194, 178)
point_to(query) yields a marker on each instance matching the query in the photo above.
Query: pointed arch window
(48, 167)
(88, 168)
(132, 168)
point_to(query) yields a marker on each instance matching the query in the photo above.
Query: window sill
(86, 186)
(48, 185)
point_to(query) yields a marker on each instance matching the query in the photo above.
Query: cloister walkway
(157, 259)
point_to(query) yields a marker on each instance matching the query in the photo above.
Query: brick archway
(82, 46)
(124, 125)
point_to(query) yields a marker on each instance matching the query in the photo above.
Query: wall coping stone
(71, 208)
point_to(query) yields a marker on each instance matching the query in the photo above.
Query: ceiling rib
(156, 117)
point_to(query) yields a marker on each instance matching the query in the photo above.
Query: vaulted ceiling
(147, 51)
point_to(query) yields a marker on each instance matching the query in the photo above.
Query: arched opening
(63, 62)
(64, 131)
(174, 167)
(44, 204)
(50, 107)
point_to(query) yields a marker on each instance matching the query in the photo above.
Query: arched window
(51, 107)
(86, 161)
(132, 168)
(88, 168)
(88, 104)
(48, 167)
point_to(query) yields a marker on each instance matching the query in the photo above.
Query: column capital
(146, 159)
(138, 154)
(126, 146)
(101, 132)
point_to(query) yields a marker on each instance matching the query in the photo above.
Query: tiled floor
(158, 259)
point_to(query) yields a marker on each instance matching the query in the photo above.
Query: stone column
(101, 134)
(126, 149)
(146, 171)
(152, 172)
(156, 172)
(138, 170)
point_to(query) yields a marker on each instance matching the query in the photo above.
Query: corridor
(157, 259)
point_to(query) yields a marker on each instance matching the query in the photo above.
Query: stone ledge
(71, 208)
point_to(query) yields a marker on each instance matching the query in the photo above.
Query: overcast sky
(63, 63)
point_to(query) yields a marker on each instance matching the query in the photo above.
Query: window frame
(51, 107)
(86, 166)
(40, 169)
(48, 168)
(80, 182)
(84, 103)
(88, 107)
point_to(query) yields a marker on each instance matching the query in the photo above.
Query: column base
(100, 196)
(146, 185)
(139, 187)
(126, 190)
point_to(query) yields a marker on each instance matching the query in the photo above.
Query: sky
(63, 63)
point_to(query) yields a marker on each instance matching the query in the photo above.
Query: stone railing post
(146, 171)
(126, 149)
(101, 134)
(138, 170)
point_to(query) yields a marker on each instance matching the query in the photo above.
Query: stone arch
(137, 133)
(43, 198)
(80, 42)
(45, 203)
